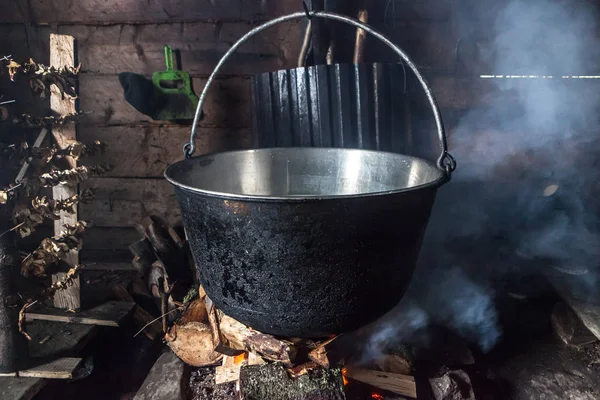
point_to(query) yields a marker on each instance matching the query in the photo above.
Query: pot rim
(442, 179)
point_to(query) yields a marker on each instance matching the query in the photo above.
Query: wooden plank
(108, 314)
(124, 202)
(60, 368)
(134, 11)
(63, 52)
(146, 151)
(13, 388)
(56, 339)
(227, 104)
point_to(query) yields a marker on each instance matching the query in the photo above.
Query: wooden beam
(145, 151)
(124, 202)
(63, 52)
(107, 314)
(132, 11)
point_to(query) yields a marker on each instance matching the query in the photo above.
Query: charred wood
(271, 381)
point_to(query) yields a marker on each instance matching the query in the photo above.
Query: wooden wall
(128, 35)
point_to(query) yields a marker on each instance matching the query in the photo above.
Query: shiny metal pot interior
(302, 172)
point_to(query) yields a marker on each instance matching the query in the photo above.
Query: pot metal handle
(445, 161)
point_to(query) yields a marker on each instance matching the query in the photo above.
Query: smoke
(523, 199)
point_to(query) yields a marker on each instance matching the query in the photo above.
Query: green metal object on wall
(175, 87)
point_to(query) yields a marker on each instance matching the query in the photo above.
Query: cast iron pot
(307, 242)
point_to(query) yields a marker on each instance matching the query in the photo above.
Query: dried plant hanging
(73, 176)
(51, 250)
(67, 280)
(42, 77)
(75, 150)
(31, 186)
(43, 208)
(29, 121)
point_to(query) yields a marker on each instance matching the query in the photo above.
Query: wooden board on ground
(57, 339)
(60, 368)
(63, 53)
(108, 314)
(13, 388)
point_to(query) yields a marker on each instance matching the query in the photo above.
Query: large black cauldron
(307, 241)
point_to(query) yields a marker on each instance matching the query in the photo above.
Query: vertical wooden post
(63, 52)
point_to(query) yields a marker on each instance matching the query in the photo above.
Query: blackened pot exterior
(306, 268)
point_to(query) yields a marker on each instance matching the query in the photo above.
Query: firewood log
(240, 337)
(395, 383)
(319, 354)
(192, 343)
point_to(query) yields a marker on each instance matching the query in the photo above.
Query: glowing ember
(376, 396)
(237, 360)
(344, 377)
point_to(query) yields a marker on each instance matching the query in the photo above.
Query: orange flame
(376, 396)
(237, 360)
(344, 379)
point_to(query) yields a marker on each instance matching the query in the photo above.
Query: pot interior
(302, 172)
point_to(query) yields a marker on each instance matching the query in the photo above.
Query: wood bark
(240, 337)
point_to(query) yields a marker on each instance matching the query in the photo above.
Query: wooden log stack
(257, 365)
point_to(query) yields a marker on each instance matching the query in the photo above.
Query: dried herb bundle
(42, 77)
(49, 293)
(43, 208)
(29, 121)
(75, 150)
(51, 250)
(31, 187)
(72, 176)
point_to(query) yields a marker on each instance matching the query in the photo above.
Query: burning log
(192, 343)
(271, 381)
(396, 383)
(240, 337)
